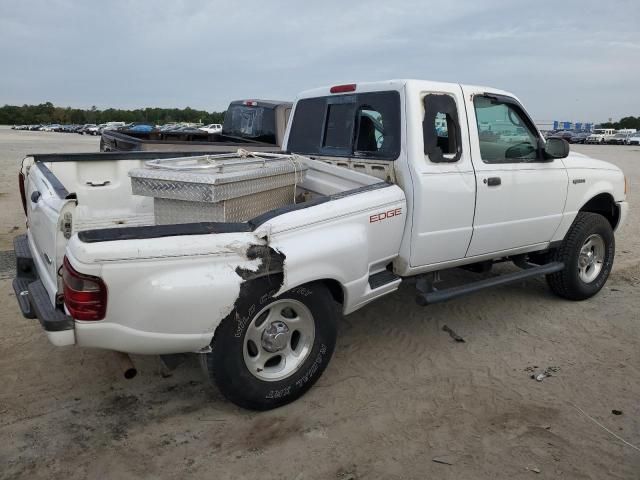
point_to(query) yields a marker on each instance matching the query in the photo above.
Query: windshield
(255, 123)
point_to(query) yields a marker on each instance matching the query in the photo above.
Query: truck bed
(114, 141)
(91, 193)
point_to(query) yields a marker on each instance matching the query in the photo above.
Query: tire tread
(561, 282)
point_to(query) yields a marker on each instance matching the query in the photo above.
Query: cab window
(361, 124)
(370, 137)
(440, 128)
(505, 132)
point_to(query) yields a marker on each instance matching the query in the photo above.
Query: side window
(441, 129)
(370, 137)
(505, 133)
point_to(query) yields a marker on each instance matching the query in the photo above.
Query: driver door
(520, 196)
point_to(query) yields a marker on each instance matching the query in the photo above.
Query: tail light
(23, 193)
(350, 87)
(85, 296)
(251, 103)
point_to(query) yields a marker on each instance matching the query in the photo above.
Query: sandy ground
(399, 396)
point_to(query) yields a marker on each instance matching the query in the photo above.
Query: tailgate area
(34, 300)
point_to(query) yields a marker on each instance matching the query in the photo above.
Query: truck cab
(478, 181)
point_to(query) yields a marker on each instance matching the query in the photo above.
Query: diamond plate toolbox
(218, 188)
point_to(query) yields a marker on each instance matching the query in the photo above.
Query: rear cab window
(253, 121)
(361, 125)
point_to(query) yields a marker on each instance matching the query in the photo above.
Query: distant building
(564, 125)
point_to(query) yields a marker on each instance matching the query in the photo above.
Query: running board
(380, 279)
(437, 296)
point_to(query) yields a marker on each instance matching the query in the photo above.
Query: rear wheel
(587, 252)
(270, 350)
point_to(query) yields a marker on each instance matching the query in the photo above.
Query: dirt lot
(400, 399)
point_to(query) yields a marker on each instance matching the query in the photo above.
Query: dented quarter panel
(166, 295)
(169, 294)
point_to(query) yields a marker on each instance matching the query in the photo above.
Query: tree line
(46, 113)
(625, 122)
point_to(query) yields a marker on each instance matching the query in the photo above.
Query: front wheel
(270, 350)
(587, 252)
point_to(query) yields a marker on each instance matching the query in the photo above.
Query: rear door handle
(493, 181)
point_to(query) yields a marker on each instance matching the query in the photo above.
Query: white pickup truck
(405, 178)
(600, 135)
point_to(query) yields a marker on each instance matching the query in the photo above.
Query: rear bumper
(33, 299)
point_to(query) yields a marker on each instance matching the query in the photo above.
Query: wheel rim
(591, 258)
(278, 340)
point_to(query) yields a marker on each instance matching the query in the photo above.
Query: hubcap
(591, 258)
(275, 337)
(278, 340)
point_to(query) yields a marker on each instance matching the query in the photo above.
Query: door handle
(493, 181)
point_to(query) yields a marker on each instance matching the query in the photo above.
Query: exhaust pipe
(126, 365)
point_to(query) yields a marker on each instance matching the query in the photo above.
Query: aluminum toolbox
(218, 188)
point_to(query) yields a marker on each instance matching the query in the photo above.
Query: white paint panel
(525, 209)
(442, 194)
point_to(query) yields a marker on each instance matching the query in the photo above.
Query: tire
(236, 363)
(580, 279)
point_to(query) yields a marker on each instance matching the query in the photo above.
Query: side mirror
(556, 148)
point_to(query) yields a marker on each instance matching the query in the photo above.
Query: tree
(48, 113)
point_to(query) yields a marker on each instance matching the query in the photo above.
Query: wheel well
(335, 288)
(604, 205)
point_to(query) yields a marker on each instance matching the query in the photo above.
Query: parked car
(212, 128)
(85, 128)
(600, 135)
(259, 298)
(256, 124)
(564, 134)
(139, 127)
(634, 139)
(618, 139)
(579, 137)
(112, 126)
(95, 130)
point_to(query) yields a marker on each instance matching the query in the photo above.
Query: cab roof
(398, 84)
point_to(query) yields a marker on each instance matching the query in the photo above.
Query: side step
(437, 296)
(21, 289)
(381, 279)
(25, 267)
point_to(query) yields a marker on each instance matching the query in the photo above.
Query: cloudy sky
(574, 60)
